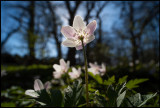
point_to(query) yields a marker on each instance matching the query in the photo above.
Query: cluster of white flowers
(63, 68)
(96, 69)
(60, 69)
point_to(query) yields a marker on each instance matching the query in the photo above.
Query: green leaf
(139, 100)
(121, 91)
(96, 77)
(120, 98)
(73, 94)
(99, 79)
(134, 83)
(110, 81)
(112, 96)
(8, 104)
(145, 98)
(122, 80)
(56, 98)
(44, 98)
(90, 88)
(100, 101)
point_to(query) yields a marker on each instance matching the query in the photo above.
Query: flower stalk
(86, 74)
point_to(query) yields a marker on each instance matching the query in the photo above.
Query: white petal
(74, 69)
(47, 85)
(68, 64)
(57, 67)
(68, 31)
(78, 23)
(62, 62)
(79, 70)
(103, 67)
(69, 43)
(79, 47)
(90, 38)
(93, 70)
(91, 27)
(38, 85)
(31, 93)
(71, 74)
(91, 65)
(57, 75)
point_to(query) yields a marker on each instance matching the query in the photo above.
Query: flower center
(82, 35)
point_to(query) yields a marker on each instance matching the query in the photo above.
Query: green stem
(86, 74)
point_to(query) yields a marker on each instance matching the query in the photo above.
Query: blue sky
(15, 45)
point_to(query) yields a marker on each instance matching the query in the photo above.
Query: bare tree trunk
(100, 30)
(90, 5)
(54, 31)
(31, 35)
(100, 20)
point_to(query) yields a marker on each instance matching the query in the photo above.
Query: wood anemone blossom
(79, 31)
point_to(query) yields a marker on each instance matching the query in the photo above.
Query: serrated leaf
(110, 81)
(134, 83)
(122, 80)
(90, 88)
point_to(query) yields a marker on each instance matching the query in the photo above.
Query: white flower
(96, 69)
(102, 70)
(3, 73)
(60, 69)
(75, 73)
(131, 64)
(137, 61)
(38, 85)
(77, 32)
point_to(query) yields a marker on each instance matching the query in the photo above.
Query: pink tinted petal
(57, 75)
(38, 85)
(91, 27)
(79, 70)
(79, 47)
(57, 67)
(68, 31)
(69, 43)
(90, 38)
(78, 23)
(47, 85)
(68, 64)
(62, 62)
(91, 65)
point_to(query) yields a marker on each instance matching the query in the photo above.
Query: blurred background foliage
(127, 41)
